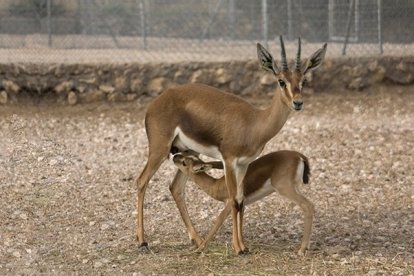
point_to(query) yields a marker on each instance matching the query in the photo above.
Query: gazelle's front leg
(177, 188)
(236, 198)
(241, 170)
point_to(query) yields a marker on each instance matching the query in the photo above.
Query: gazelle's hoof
(143, 244)
(143, 248)
(197, 242)
(302, 251)
(244, 252)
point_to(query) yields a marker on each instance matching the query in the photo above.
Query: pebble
(23, 216)
(3, 97)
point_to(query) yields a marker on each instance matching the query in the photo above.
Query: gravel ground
(67, 199)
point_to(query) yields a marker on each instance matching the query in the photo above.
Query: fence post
(379, 6)
(231, 18)
(348, 25)
(265, 23)
(212, 18)
(49, 22)
(143, 23)
(289, 15)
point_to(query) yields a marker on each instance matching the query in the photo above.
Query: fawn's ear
(266, 60)
(202, 167)
(315, 60)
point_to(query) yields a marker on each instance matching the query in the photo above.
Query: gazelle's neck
(216, 188)
(272, 118)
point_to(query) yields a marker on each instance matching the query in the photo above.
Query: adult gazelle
(221, 125)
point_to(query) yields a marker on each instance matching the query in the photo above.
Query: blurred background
(209, 30)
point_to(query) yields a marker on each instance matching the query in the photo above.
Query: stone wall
(83, 83)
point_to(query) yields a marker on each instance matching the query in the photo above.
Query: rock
(64, 87)
(309, 78)
(3, 97)
(222, 76)
(92, 96)
(357, 84)
(135, 85)
(97, 264)
(106, 88)
(23, 216)
(130, 97)
(81, 88)
(373, 66)
(114, 97)
(120, 82)
(379, 75)
(90, 80)
(10, 86)
(198, 77)
(235, 87)
(267, 80)
(357, 71)
(402, 66)
(157, 85)
(72, 98)
(120, 97)
(401, 77)
(179, 77)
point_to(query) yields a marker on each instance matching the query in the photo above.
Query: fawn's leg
(177, 189)
(290, 192)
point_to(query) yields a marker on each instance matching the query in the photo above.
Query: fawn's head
(190, 164)
(290, 81)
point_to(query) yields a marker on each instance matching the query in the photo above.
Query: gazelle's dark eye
(282, 83)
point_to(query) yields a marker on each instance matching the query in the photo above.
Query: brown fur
(279, 167)
(214, 119)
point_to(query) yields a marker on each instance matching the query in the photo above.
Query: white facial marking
(289, 89)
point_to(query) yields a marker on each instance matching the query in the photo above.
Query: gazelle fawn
(221, 125)
(280, 171)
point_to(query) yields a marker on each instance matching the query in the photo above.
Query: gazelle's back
(274, 166)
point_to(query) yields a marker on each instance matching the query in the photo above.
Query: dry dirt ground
(67, 201)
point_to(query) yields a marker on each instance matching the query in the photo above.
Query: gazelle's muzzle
(297, 105)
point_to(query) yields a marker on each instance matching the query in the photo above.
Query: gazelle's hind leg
(177, 189)
(288, 189)
(155, 159)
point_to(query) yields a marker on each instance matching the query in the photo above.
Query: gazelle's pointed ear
(315, 60)
(202, 167)
(266, 60)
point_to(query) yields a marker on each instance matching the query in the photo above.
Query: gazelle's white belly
(265, 190)
(184, 142)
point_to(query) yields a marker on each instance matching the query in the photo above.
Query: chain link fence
(209, 30)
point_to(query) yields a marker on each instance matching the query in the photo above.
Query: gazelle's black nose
(298, 105)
